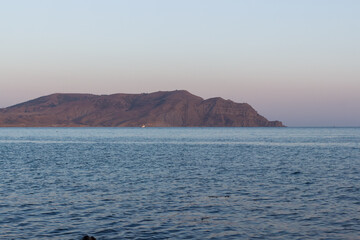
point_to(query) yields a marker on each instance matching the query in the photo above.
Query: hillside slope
(158, 109)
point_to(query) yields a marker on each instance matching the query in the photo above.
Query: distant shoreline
(177, 108)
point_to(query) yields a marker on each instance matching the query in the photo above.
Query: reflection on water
(180, 183)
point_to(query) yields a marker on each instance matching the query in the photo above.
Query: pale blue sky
(295, 61)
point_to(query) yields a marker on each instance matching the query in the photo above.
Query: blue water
(180, 183)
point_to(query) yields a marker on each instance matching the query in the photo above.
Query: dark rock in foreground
(86, 237)
(158, 109)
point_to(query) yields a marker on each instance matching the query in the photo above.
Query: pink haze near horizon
(297, 62)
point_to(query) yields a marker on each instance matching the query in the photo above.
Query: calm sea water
(180, 183)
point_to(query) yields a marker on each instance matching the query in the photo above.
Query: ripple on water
(181, 183)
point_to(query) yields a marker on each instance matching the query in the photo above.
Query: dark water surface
(180, 183)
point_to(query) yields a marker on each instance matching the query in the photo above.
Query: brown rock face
(158, 109)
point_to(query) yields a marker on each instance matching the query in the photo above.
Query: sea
(180, 183)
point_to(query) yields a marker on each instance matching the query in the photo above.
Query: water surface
(180, 183)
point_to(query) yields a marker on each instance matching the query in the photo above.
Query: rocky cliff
(158, 109)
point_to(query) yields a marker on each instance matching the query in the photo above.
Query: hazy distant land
(158, 109)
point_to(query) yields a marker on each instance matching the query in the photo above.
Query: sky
(294, 61)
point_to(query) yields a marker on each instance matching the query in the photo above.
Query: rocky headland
(159, 109)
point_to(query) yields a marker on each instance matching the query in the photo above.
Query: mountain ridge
(177, 108)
